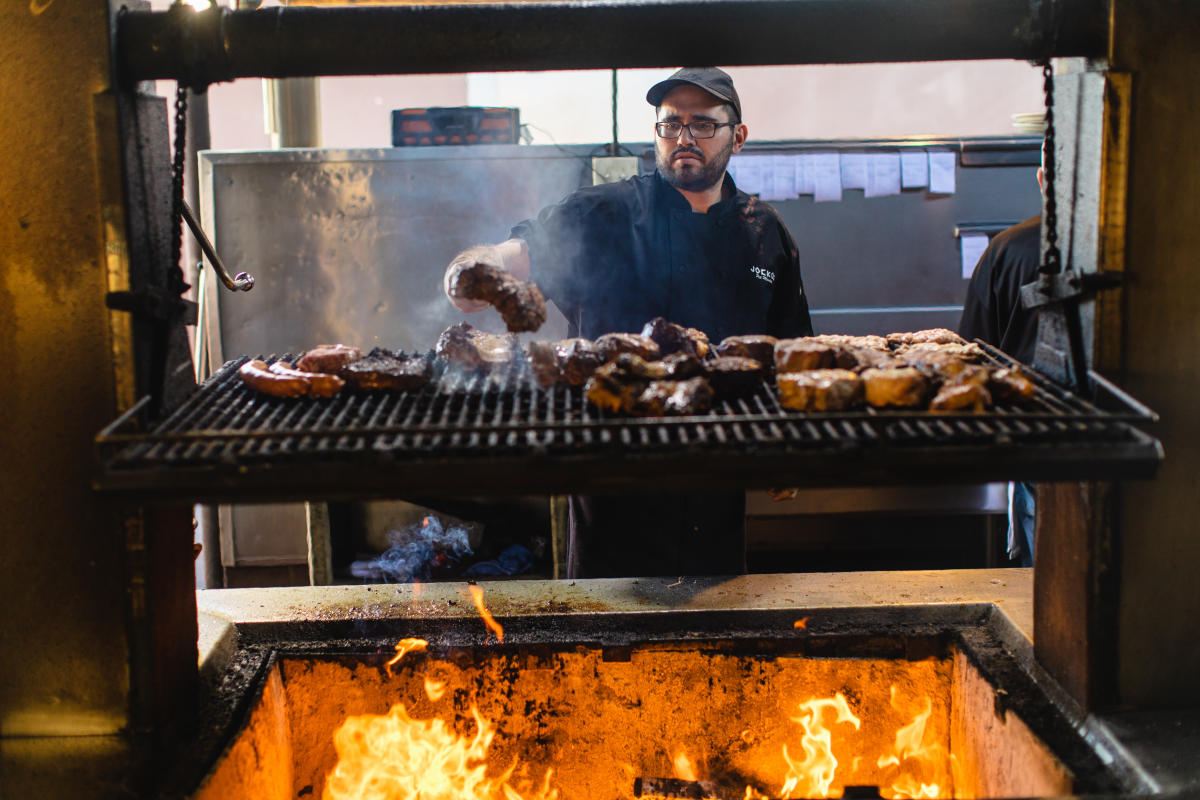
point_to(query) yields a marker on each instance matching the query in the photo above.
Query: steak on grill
(672, 338)
(520, 303)
(468, 346)
(614, 344)
(820, 390)
(900, 387)
(759, 347)
(733, 376)
(328, 358)
(381, 370)
(570, 360)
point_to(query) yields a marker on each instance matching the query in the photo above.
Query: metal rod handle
(242, 282)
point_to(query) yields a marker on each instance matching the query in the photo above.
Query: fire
(403, 647)
(922, 764)
(811, 776)
(493, 626)
(395, 757)
(801, 624)
(685, 770)
(434, 689)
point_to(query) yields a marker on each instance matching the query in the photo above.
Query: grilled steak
(672, 338)
(930, 336)
(798, 355)
(381, 370)
(820, 390)
(969, 396)
(673, 398)
(519, 302)
(903, 387)
(570, 360)
(758, 347)
(614, 344)
(464, 344)
(733, 376)
(1010, 384)
(328, 358)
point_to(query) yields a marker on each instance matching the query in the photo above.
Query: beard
(691, 177)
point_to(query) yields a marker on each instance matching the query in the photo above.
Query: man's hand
(510, 256)
(469, 258)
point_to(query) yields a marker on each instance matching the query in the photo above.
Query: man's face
(696, 164)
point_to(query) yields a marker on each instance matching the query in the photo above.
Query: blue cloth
(1021, 523)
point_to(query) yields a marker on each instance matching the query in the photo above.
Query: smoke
(415, 553)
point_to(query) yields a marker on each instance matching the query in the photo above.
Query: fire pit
(663, 688)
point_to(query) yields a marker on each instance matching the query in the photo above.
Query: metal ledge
(199, 48)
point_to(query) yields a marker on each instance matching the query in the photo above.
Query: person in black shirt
(685, 244)
(993, 312)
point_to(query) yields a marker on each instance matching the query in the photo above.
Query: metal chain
(177, 176)
(1052, 261)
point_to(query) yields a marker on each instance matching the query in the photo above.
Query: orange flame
(922, 763)
(493, 626)
(685, 770)
(434, 689)
(812, 776)
(403, 647)
(425, 522)
(395, 757)
(801, 624)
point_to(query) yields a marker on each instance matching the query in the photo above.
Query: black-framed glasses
(699, 130)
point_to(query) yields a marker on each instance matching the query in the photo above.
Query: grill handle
(242, 282)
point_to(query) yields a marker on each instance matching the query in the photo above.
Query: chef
(683, 243)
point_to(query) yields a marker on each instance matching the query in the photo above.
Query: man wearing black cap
(682, 243)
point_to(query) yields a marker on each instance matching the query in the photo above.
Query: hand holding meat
(473, 282)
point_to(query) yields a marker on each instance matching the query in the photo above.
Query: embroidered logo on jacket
(763, 274)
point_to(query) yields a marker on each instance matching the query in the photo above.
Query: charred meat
(799, 355)
(673, 398)
(614, 344)
(464, 344)
(761, 348)
(820, 390)
(520, 303)
(328, 358)
(381, 370)
(672, 338)
(733, 376)
(902, 387)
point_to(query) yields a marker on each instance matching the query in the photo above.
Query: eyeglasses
(698, 130)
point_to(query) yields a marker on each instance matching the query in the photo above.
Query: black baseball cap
(712, 80)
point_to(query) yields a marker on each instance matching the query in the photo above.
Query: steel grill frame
(479, 433)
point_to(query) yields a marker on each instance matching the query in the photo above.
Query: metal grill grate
(470, 432)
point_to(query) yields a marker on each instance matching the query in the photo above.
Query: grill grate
(471, 432)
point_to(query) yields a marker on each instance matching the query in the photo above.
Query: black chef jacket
(993, 311)
(613, 257)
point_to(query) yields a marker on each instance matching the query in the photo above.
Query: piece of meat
(672, 338)
(1009, 383)
(611, 389)
(614, 344)
(861, 358)
(520, 303)
(903, 387)
(673, 398)
(543, 363)
(820, 390)
(577, 360)
(258, 376)
(967, 396)
(317, 384)
(733, 376)
(967, 351)
(759, 347)
(380, 370)
(929, 336)
(799, 355)
(464, 344)
(869, 342)
(328, 358)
